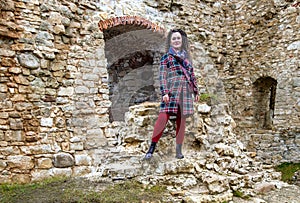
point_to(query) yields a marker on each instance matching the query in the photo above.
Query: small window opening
(264, 102)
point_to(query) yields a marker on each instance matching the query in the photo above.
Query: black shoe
(179, 154)
(150, 151)
(148, 156)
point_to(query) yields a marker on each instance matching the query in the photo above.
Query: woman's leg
(157, 132)
(180, 126)
(160, 126)
(180, 131)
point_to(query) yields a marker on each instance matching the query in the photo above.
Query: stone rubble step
(206, 198)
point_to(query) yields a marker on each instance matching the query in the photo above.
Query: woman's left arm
(195, 85)
(194, 81)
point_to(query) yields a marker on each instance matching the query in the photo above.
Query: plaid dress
(174, 83)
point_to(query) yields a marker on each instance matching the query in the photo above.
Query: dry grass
(65, 190)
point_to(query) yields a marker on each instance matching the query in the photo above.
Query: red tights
(161, 124)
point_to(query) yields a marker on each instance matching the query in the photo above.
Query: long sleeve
(163, 75)
(194, 81)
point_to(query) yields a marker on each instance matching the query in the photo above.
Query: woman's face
(176, 41)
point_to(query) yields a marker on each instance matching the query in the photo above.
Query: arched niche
(264, 95)
(133, 48)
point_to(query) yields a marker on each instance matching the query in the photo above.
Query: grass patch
(205, 97)
(240, 194)
(287, 170)
(133, 192)
(58, 189)
(66, 190)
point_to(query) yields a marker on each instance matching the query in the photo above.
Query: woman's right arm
(163, 75)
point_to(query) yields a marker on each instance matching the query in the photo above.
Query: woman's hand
(197, 98)
(166, 98)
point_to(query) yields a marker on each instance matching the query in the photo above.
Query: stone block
(296, 81)
(60, 122)
(15, 136)
(7, 52)
(8, 150)
(40, 174)
(264, 187)
(3, 122)
(15, 124)
(27, 89)
(21, 80)
(78, 146)
(203, 108)
(2, 135)
(20, 162)
(61, 172)
(5, 178)
(141, 121)
(82, 90)
(59, 29)
(81, 170)
(83, 160)
(294, 46)
(223, 197)
(94, 141)
(63, 160)
(3, 164)
(66, 91)
(18, 98)
(131, 138)
(47, 122)
(29, 61)
(37, 149)
(217, 187)
(180, 167)
(3, 88)
(65, 146)
(44, 163)
(20, 178)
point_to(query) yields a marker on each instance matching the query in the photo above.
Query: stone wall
(262, 46)
(57, 91)
(55, 96)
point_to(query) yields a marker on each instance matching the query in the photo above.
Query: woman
(177, 85)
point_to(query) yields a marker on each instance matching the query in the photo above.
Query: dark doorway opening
(264, 101)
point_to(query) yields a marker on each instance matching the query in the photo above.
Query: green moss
(237, 193)
(204, 97)
(287, 170)
(240, 194)
(207, 98)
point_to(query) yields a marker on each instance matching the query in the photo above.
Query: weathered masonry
(77, 79)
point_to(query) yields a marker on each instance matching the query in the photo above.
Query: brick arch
(272, 74)
(133, 47)
(130, 20)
